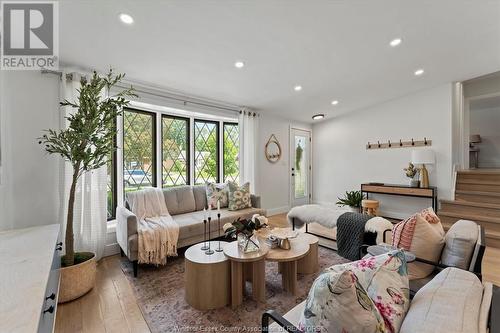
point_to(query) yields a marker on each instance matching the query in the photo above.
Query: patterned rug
(160, 295)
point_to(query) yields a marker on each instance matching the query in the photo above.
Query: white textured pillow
(427, 243)
(460, 242)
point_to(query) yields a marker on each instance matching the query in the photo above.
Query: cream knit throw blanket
(157, 231)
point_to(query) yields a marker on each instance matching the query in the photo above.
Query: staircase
(477, 198)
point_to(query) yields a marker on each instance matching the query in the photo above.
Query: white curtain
(248, 128)
(90, 211)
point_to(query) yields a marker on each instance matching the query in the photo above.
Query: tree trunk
(70, 251)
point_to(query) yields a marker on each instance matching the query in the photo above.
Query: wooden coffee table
(254, 264)
(287, 261)
(310, 263)
(206, 277)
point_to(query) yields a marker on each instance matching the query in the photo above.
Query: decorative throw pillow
(239, 197)
(427, 243)
(385, 279)
(402, 233)
(338, 303)
(217, 192)
(430, 216)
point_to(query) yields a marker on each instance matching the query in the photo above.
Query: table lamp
(423, 157)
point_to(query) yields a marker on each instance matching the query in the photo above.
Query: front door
(300, 167)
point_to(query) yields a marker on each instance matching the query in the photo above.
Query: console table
(402, 190)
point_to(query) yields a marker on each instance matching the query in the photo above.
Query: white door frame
(291, 163)
(466, 125)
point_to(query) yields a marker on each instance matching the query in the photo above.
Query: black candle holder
(218, 249)
(205, 246)
(209, 251)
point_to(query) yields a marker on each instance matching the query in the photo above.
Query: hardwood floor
(112, 307)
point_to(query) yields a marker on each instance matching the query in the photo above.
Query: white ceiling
(334, 49)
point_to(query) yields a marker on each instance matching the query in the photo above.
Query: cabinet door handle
(59, 248)
(59, 244)
(52, 296)
(50, 309)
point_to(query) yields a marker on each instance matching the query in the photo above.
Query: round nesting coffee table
(287, 261)
(247, 266)
(310, 263)
(207, 278)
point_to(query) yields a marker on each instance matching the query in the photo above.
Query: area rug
(160, 295)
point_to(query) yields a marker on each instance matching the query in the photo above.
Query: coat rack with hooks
(399, 144)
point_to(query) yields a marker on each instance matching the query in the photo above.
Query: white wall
(274, 178)
(29, 184)
(341, 161)
(486, 122)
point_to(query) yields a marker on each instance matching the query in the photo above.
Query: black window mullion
(187, 180)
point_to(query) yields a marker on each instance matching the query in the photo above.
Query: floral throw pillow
(239, 196)
(338, 303)
(217, 192)
(385, 279)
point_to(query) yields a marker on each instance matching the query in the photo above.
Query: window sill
(111, 225)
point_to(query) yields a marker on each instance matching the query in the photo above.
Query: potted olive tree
(85, 143)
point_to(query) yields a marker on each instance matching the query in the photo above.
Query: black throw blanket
(351, 234)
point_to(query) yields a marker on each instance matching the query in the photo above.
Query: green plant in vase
(244, 229)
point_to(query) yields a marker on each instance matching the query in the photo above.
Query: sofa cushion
(427, 243)
(179, 199)
(385, 278)
(217, 193)
(239, 196)
(200, 196)
(449, 303)
(338, 302)
(460, 242)
(191, 224)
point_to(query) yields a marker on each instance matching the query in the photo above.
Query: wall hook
(400, 143)
(390, 143)
(369, 145)
(378, 142)
(425, 141)
(412, 142)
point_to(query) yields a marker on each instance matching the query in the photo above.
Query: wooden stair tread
(472, 217)
(479, 172)
(471, 204)
(478, 182)
(481, 193)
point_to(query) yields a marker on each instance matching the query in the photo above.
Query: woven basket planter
(77, 280)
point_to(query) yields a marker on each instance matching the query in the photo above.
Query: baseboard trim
(111, 249)
(277, 210)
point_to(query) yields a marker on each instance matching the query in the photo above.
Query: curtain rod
(183, 99)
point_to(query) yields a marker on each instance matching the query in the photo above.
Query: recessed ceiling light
(395, 42)
(297, 88)
(126, 18)
(419, 72)
(318, 116)
(239, 64)
(335, 102)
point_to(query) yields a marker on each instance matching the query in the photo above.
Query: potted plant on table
(86, 142)
(351, 199)
(411, 172)
(243, 231)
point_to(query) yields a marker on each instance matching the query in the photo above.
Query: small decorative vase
(247, 244)
(414, 183)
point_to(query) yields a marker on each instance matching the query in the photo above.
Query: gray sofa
(185, 204)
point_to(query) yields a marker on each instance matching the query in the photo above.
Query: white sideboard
(29, 279)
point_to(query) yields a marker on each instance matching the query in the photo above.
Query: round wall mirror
(273, 149)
